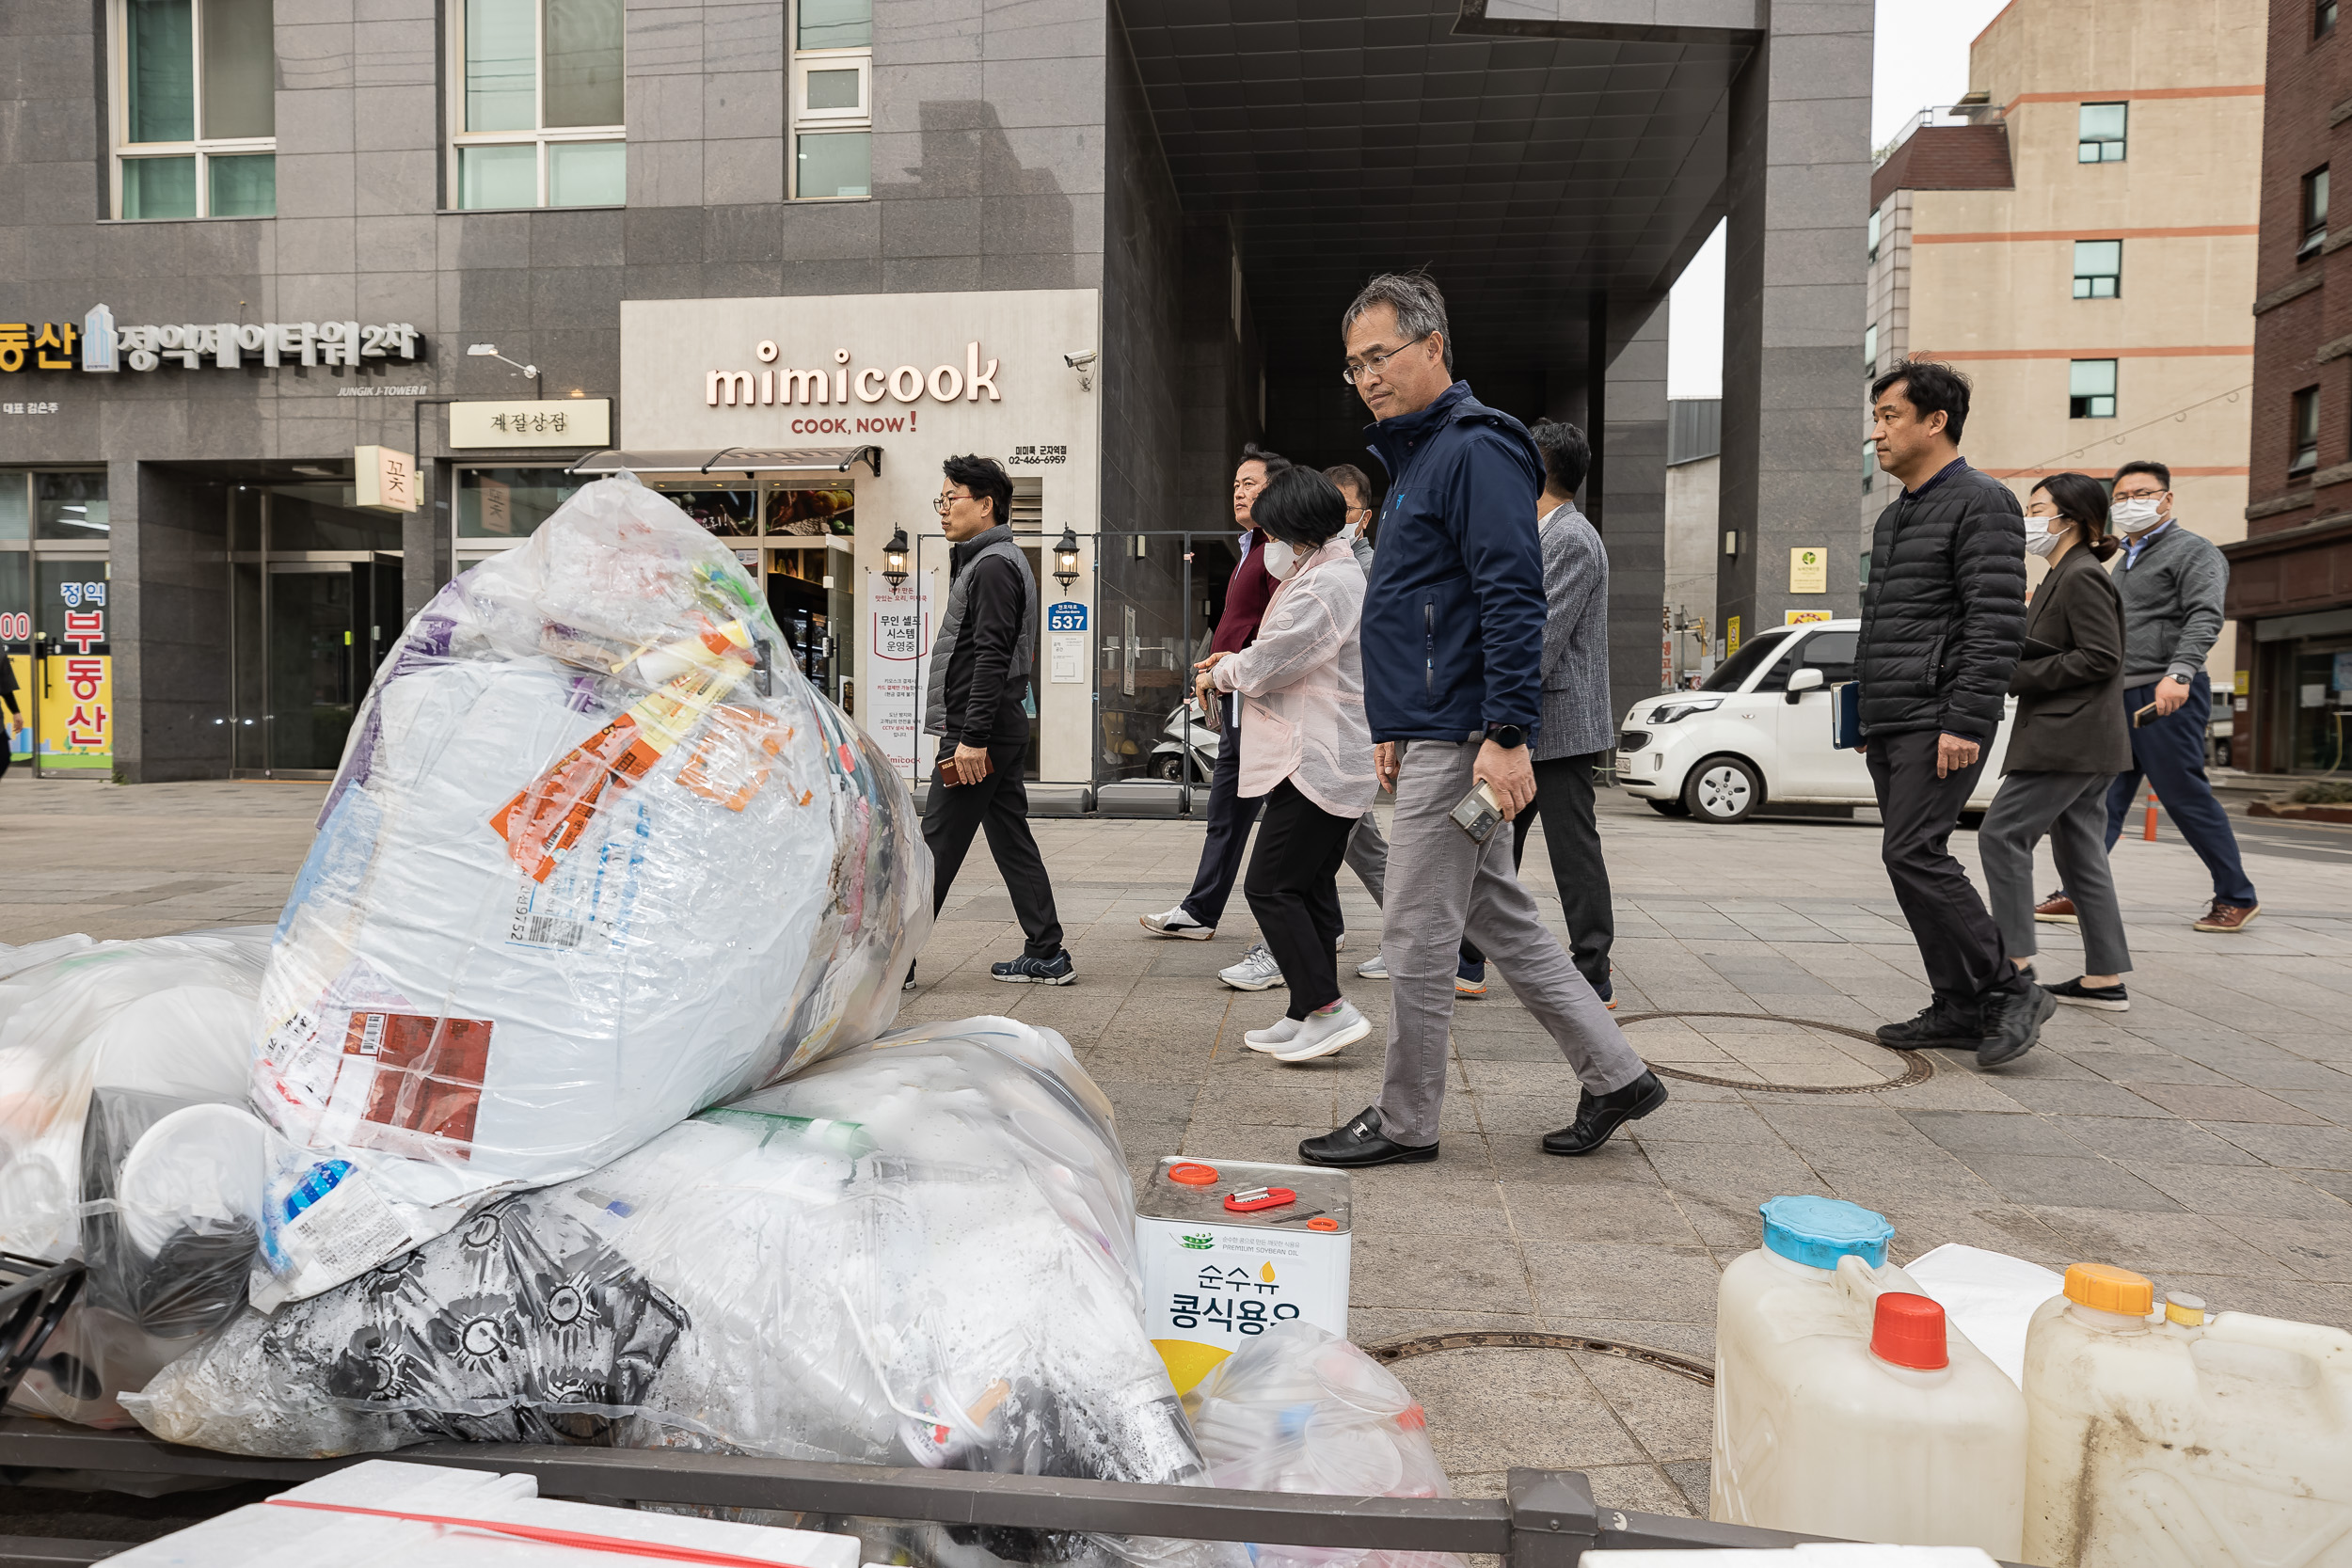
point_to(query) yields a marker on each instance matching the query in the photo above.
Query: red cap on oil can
(1909, 1332)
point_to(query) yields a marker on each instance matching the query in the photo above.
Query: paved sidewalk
(2204, 1138)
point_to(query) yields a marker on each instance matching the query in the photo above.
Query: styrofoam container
(1215, 1279)
(429, 1516)
(2215, 1442)
(1831, 1419)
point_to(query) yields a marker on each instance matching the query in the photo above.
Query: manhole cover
(1917, 1066)
(1429, 1345)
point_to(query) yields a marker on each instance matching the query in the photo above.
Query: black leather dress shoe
(1359, 1143)
(1599, 1115)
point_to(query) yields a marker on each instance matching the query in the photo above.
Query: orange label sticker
(426, 1083)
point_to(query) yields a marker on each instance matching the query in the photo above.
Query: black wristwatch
(1509, 737)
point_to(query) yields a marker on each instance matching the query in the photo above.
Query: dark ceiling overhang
(1530, 153)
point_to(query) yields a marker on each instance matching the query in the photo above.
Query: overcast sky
(1921, 59)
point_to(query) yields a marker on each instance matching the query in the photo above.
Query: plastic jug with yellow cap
(1847, 1406)
(2181, 1438)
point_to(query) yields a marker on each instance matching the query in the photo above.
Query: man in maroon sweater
(1229, 815)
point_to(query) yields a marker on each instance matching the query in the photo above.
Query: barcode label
(532, 929)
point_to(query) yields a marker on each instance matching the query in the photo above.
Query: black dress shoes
(1360, 1143)
(1599, 1115)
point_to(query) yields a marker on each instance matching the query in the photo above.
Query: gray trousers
(1368, 856)
(2072, 808)
(1448, 886)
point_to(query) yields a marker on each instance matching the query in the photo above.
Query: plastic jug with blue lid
(1817, 1231)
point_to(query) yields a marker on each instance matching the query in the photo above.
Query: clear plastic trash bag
(1299, 1409)
(597, 857)
(98, 1046)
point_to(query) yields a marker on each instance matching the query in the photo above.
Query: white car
(1757, 731)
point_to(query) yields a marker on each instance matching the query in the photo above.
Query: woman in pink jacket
(1306, 749)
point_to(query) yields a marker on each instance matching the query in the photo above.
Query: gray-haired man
(1454, 656)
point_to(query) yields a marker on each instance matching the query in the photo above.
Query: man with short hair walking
(1453, 646)
(977, 702)
(1943, 621)
(2172, 581)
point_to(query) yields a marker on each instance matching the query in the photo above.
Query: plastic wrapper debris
(597, 857)
(1299, 1409)
(916, 1252)
(99, 1047)
(426, 1516)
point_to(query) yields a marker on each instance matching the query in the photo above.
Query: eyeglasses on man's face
(948, 498)
(2124, 495)
(1371, 364)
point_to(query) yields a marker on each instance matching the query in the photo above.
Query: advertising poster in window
(899, 654)
(73, 682)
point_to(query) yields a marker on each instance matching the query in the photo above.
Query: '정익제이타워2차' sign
(101, 346)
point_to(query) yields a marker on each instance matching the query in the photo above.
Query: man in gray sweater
(1577, 727)
(2172, 582)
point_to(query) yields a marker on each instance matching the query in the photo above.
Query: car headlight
(1683, 710)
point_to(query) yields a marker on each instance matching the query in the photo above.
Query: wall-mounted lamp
(895, 558)
(1731, 542)
(490, 351)
(1066, 559)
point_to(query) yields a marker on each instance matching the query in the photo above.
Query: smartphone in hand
(1478, 813)
(2145, 716)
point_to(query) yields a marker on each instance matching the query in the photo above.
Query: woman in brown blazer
(2067, 742)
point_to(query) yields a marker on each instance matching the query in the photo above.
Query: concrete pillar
(1632, 432)
(1799, 183)
(170, 624)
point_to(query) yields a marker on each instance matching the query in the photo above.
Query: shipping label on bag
(365, 1068)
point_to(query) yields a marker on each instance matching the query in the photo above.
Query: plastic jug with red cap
(1846, 1406)
(2179, 1436)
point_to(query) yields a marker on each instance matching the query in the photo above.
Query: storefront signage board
(384, 479)
(898, 662)
(922, 377)
(532, 423)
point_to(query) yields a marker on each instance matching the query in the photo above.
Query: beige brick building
(2084, 247)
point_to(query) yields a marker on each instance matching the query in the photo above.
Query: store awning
(732, 460)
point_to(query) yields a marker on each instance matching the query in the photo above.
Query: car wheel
(1971, 820)
(1669, 808)
(1723, 789)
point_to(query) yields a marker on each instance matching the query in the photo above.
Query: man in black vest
(977, 703)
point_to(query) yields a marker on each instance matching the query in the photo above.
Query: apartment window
(2322, 19)
(2315, 213)
(2090, 390)
(832, 99)
(196, 109)
(2098, 269)
(537, 108)
(1874, 233)
(1869, 348)
(2099, 135)
(1869, 472)
(2306, 453)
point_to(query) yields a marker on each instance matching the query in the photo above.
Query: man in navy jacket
(1452, 644)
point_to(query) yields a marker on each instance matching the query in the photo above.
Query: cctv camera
(1078, 360)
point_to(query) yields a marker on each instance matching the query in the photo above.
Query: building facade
(2291, 576)
(2082, 244)
(308, 305)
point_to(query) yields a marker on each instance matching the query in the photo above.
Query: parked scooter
(1167, 756)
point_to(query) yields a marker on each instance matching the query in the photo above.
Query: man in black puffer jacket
(1942, 624)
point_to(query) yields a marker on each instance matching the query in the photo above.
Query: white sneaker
(1340, 945)
(1257, 971)
(1374, 968)
(1334, 1028)
(1176, 923)
(1284, 1032)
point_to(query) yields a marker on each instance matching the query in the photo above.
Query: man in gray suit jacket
(1577, 728)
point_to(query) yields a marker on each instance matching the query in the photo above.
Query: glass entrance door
(73, 667)
(314, 664)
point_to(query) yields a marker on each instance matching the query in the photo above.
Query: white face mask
(2135, 513)
(1281, 561)
(2039, 539)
